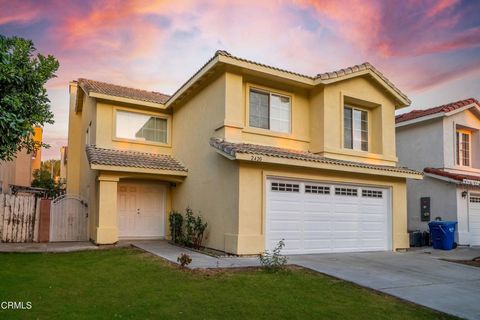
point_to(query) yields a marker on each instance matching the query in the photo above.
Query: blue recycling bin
(443, 234)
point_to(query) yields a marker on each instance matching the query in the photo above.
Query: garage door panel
(285, 226)
(318, 244)
(317, 207)
(372, 209)
(345, 207)
(372, 226)
(317, 217)
(286, 215)
(316, 235)
(324, 217)
(284, 205)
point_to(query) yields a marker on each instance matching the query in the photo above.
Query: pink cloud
(157, 45)
(440, 6)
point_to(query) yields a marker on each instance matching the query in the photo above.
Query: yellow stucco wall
(252, 203)
(211, 187)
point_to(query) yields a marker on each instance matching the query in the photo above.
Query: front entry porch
(131, 207)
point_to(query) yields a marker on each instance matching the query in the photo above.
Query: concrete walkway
(415, 276)
(47, 247)
(199, 260)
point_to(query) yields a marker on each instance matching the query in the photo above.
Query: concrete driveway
(417, 276)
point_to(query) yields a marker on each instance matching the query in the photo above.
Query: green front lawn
(130, 284)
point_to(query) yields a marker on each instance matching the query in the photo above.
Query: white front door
(474, 219)
(141, 210)
(316, 217)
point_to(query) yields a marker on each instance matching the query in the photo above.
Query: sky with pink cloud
(429, 49)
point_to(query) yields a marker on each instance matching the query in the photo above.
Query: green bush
(274, 261)
(184, 259)
(175, 220)
(194, 229)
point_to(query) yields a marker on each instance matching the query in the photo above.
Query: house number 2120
(256, 158)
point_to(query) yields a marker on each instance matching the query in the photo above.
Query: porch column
(107, 229)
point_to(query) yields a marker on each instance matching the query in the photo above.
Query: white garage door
(322, 217)
(141, 210)
(474, 219)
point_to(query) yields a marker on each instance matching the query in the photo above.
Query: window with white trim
(463, 146)
(355, 128)
(141, 127)
(269, 111)
(340, 191)
(285, 187)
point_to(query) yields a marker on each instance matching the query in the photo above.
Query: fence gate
(68, 219)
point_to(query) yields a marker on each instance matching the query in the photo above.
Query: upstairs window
(355, 130)
(463, 148)
(269, 111)
(141, 127)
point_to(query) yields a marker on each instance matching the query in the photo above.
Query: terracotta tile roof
(326, 75)
(414, 114)
(232, 149)
(227, 54)
(455, 176)
(120, 91)
(358, 68)
(132, 159)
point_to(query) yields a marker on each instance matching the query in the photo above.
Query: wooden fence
(19, 218)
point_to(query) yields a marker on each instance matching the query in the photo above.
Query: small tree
(23, 98)
(43, 179)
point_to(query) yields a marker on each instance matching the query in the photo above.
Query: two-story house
(444, 143)
(262, 153)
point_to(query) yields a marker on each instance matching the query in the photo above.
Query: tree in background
(23, 99)
(43, 179)
(52, 166)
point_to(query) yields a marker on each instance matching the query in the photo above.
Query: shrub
(175, 220)
(194, 229)
(274, 261)
(184, 259)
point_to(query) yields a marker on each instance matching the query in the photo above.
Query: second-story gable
(346, 115)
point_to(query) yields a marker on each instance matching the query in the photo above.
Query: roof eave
(420, 119)
(126, 100)
(256, 158)
(190, 82)
(439, 115)
(402, 101)
(163, 172)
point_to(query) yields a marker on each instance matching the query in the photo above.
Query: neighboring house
(37, 156)
(19, 171)
(444, 143)
(262, 153)
(63, 163)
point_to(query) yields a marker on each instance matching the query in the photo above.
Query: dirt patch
(205, 250)
(474, 262)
